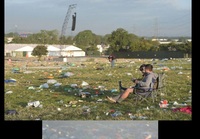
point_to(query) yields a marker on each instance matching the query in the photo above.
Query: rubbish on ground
(59, 109)
(28, 72)
(163, 104)
(50, 77)
(99, 100)
(142, 117)
(67, 89)
(187, 110)
(34, 104)
(102, 88)
(176, 67)
(179, 104)
(51, 81)
(73, 85)
(84, 83)
(129, 74)
(10, 81)
(189, 100)
(113, 90)
(11, 112)
(67, 74)
(147, 108)
(67, 105)
(74, 105)
(133, 117)
(45, 85)
(73, 102)
(9, 92)
(15, 70)
(84, 94)
(117, 113)
(31, 88)
(86, 109)
(57, 84)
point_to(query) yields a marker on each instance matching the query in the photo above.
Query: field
(60, 100)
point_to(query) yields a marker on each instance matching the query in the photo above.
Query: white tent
(26, 50)
(52, 48)
(72, 51)
(53, 51)
(11, 49)
(71, 48)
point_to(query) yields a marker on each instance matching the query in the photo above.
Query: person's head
(148, 68)
(142, 68)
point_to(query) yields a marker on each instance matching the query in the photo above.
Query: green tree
(105, 39)
(39, 51)
(118, 40)
(85, 39)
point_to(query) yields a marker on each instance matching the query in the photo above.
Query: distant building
(100, 48)
(24, 35)
(9, 39)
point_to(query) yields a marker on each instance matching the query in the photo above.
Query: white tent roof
(52, 48)
(71, 48)
(13, 47)
(26, 48)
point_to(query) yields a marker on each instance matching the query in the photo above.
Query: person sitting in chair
(142, 86)
(142, 69)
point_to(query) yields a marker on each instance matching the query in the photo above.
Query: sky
(140, 17)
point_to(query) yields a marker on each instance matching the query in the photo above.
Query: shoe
(122, 88)
(111, 99)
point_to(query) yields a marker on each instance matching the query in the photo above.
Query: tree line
(118, 40)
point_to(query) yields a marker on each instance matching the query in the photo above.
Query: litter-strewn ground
(51, 90)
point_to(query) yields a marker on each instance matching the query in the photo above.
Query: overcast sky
(141, 17)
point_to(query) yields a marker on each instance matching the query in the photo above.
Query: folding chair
(153, 92)
(143, 96)
(160, 86)
(138, 96)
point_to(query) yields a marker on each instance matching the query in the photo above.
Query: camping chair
(139, 95)
(160, 85)
(143, 96)
(153, 92)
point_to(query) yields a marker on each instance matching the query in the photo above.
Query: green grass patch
(55, 101)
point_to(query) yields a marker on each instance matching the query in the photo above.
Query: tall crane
(64, 27)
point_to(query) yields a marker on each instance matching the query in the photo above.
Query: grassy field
(64, 103)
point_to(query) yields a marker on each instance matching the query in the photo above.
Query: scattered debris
(9, 92)
(163, 104)
(187, 110)
(34, 104)
(11, 112)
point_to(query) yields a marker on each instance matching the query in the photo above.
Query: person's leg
(125, 94)
(115, 97)
(113, 63)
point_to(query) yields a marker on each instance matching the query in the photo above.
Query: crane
(64, 27)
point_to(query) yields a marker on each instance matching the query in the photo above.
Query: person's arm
(146, 81)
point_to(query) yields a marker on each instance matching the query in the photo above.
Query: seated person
(142, 69)
(146, 84)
